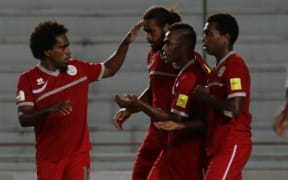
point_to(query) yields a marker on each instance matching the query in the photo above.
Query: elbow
(24, 123)
(109, 73)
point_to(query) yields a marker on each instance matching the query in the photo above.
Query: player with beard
(156, 22)
(53, 98)
(184, 156)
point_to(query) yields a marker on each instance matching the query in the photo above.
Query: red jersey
(230, 78)
(162, 76)
(59, 136)
(185, 145)
(190, 75)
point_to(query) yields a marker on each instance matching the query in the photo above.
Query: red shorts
(228, 163)
(184, 158)
(148, 152)
(72, 168)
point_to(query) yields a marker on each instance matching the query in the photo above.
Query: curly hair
(44, 37)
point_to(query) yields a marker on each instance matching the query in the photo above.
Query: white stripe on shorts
(230, 161)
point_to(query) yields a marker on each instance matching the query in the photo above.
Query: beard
(63, 68)
(158, 47)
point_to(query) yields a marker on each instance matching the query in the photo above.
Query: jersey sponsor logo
(39, 90)
(182, 100)
(20, 96)
(235, 84)
(40, 81)
(72, 70)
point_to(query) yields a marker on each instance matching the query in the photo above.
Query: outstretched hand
(130, 102)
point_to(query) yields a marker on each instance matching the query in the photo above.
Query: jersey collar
(47, 71)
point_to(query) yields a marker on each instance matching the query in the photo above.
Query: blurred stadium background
(95, 29)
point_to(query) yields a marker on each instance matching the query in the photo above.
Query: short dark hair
(186, 33)
(44, 37)
(162, 15)
(225, 24)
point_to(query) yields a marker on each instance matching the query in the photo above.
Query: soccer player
(156, 21)
(53, 97)
(227, 96)
(184, 156)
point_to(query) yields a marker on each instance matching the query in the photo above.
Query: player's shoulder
(30, 71)
(205, 66)
(237, 61)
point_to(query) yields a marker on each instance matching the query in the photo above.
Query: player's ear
(47, 53)
(166, 27)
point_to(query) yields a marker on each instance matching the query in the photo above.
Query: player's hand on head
(132, 34)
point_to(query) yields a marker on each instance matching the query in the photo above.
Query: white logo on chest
(72, 71)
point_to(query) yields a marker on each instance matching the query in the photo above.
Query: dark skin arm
(195, 124)
(29, 117)
(115, 61)
(131, 101)
(123, 114)
(229, 107)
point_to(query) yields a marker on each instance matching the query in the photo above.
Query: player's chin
(63, 67)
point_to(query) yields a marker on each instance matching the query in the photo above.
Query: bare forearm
(115, 61)
(146, 95)
(230, 108)
(198, 125)
(157, 113)
(32, 118)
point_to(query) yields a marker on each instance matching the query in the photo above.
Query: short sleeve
(24, 93)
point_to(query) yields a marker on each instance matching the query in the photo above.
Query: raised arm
(115, 61)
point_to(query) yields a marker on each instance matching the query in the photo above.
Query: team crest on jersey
(72, 71)
(20, 96)
(221, 71)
